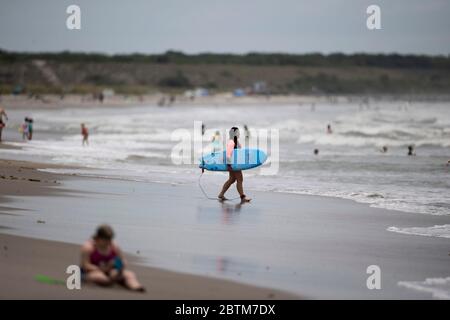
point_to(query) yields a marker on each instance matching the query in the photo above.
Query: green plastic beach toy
(48, 280)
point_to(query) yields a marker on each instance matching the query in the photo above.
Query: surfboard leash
(206, 195)
(201, 188)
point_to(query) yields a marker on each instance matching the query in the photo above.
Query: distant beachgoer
(2, 122)
(247, 132)
(234, 176)
(316, 152)
(162, 102)
(329, 130)
(384, 149)
(411, 151)
(246, 135)
(30, 128)
(216, 142)
(102, 261)
(203, 129)
(24, 129)
(85, 134)
(448, 163)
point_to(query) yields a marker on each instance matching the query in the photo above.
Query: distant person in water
(247, 135)
(316, 152)
(329, 130)
(24, 129)
(411, 151)
(234, 176)
(247, 132)
(30, 127)
(102, 261)
(384, 149)
(215, 142)
(2, 122)
(84, 134)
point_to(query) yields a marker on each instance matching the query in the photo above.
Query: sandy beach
(23, 259)
(51, 101)
(324, 255)
(221, 99)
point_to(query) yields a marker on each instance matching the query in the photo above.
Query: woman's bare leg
(239, 185)
(240, 180)
(227, 184)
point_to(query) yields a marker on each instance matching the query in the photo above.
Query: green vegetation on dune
(282, 73)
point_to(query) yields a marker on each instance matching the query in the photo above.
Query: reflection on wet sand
(230, 212)
(222, 265)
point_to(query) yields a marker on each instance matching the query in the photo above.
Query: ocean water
(138, 143)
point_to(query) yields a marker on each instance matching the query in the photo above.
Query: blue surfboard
(241, 159)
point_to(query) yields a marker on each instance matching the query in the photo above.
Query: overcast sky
(238, 26)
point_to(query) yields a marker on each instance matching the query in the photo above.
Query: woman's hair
(104, 232)
(235, 139)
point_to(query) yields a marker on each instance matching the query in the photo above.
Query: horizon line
(104, 53)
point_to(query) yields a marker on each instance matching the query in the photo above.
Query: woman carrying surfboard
(235, 176)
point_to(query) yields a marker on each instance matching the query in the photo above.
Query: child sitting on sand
(102, 261)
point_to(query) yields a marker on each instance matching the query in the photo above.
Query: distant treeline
(252, 59)
(256, 73)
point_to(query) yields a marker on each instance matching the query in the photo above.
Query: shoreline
(19, 254)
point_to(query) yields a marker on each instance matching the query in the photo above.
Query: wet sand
(22, 259)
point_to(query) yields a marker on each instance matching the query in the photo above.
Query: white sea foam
(137, 142)
(439, 288)
(442, 231)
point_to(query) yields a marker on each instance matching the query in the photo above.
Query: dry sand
(49, 101)
(24, 259)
